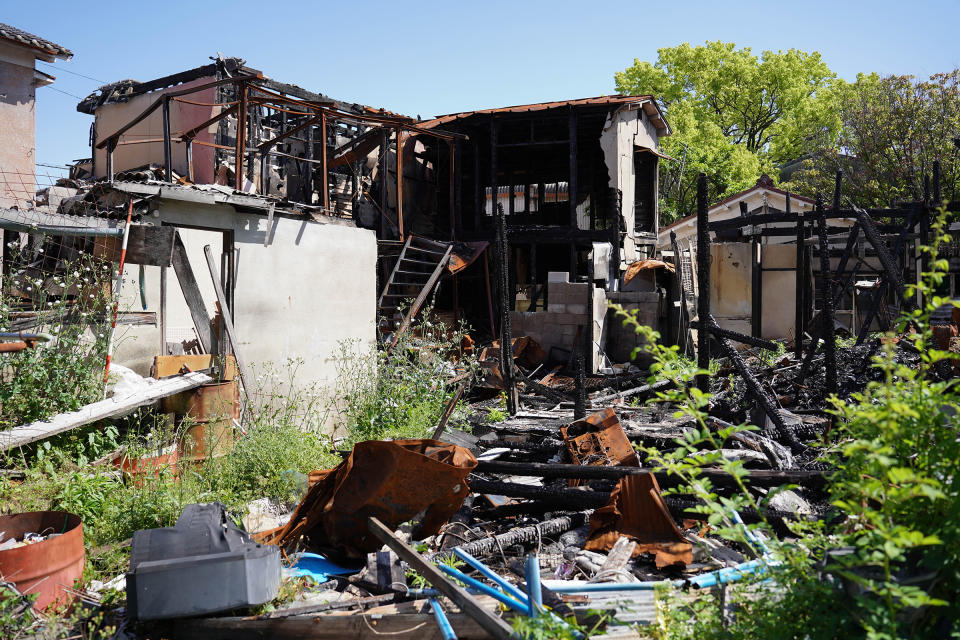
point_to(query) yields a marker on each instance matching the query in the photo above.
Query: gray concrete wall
(17, 125)
(311, 289)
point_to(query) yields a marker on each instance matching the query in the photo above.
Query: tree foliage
(893, 128)
(734, 115)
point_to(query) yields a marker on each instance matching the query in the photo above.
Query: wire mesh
(60, 239)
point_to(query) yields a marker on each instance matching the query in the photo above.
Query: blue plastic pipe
(729, 574)
(445, 629)
(517, 606)
(533, 585)
(493, 577)
(610, 586)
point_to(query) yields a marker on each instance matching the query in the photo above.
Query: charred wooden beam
(739, 337)
(755, 477)
(755, 389)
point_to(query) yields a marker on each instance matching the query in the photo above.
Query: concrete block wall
(567, 309)
(622, 340)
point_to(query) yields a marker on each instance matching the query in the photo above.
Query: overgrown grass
(283, 439)
(401, 393)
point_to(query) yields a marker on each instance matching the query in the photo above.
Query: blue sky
(430, 58)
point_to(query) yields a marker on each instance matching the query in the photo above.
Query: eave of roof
(598, 101)
(734, 198)
(23, 38)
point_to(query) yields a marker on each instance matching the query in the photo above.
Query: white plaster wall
(311, 289)
(625, 130)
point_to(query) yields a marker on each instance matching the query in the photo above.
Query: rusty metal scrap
(642, 265)
(599, 440)
(636, 510)
(392, 481)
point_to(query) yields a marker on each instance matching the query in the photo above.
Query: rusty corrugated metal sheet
(637, 510)
(392, 481)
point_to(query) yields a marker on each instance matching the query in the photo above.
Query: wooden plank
(419, 626)
(191, 293)
(495, 626)
(109, 408)
(164, 366)
(227, 319)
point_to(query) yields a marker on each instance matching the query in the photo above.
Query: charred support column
(399, 178)
(826, 299)
(755, 389)
(506, 339)
(580, 403)
(240, 151)
(167, 154)
(800, 294)
(756, 280)
(324, 174)
(614, 278)
(703, 282)
(572, 189)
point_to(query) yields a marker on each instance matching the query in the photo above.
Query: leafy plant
(71, 302)
(401, 392)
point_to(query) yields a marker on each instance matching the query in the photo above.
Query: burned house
(576, 180)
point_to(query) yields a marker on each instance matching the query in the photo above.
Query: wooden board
(192, 295)
(109, 408)
(147, 245)
(164, 366)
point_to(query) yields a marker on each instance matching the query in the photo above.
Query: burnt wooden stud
(703, 282)
(799, 284)
(827, 331)
(506, 339)
(580, 404)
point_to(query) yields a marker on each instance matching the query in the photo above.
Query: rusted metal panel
(209, 402)
(636, 510)
(599, 440)
(391, 481)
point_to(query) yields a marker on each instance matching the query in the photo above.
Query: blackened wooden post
(572, 189)
(580, 401)
(167, 153)
(703, 283)
(799, 282)
(756, 279)
(506, 339)
(494, 195)
(534, 291)
(826, 301)
(614, 283)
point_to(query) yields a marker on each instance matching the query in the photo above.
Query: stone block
(558, 276)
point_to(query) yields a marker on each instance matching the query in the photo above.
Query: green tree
(734, 115)
(893, 128)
